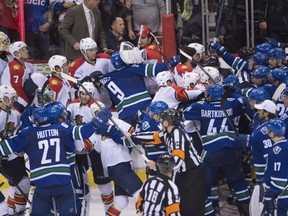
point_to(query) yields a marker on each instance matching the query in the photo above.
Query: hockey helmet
(132, 55)
(7, 91)
(213, 72)
(40, 115)
(15, 48)
(117, 62)
(87, 43)
(156, 107)
(258, 95)
(89, 86)
(246, 52)
(211, 61)
(261, 72)
(232, 81)
(4, 41)
(260, 58)
(57, 61)
(163, 77)
(215, 92)
(277, 74)
(198, 47)
(56, 111)
(171, 115)
(165, 163)
(277, 53)
(189, 78)
(277, 126)
(263, 48)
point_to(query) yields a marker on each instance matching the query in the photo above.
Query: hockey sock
(107, 194)
(19, 202)
(112, 211)
(10, 200)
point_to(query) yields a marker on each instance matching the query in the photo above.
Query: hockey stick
(74, 80)
(140, 35)
(278, 92)
(190, 58)
(223, 99)
(218, 21)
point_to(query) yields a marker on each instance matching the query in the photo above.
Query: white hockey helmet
(198, 47)
(163, 77)
(15, 48)
(89, 86)
(190, 77)
(4, 41)
(94, 107)
(7, 91)
(132, 55)
(213, 72)
(87, 43)
(57, 60)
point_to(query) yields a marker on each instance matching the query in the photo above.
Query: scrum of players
(194, 122)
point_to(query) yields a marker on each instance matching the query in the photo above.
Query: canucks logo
(265, 130)
(276, 149)
(145, 125)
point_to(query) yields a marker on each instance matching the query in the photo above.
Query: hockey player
(184, 66)
(58, 64)
(172, 94)
(79, 113)
(116, 158)
(276, 174)
(18, 71)
(260, 141)
(13, 166)
(276, 58)
(259, 76)
(88, 63)
(149, 120)
(220, 149)
(189, 173)
(82, 67)
(164, 191)
(125, 85)
(149, 42)
(190, 80)
(208, 77)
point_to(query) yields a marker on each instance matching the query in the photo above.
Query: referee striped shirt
(158, 197)
(178, 144)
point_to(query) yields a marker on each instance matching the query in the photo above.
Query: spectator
(123, 9)
(116, 33)
(82, 21)
(156, 9)
(37, 25)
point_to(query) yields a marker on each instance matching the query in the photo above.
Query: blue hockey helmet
(116, 60)
(165, 163)
(277, 126)
(40, 116)
(57, 111)
(260, 58)
(259, 95)
(277, 74)
(277, 53)
(260, 72)
(274, 43)
(215, 92)
(156, 107)
(263, 48)
(232, 81)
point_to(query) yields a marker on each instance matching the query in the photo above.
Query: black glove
(269, 204)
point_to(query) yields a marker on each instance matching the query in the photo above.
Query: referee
(189, 172)
(159, 195)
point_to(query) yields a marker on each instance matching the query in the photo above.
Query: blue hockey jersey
(215, 130)
(276, 174)
(46, 147)
(127, 88)
(260, 143)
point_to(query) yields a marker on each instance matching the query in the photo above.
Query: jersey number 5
(45, 145)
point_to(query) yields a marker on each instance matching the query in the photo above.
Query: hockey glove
(174, 60)
(242, 140)
(104, 114)
(220, 50)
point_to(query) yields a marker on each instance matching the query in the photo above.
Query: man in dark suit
(82, 21)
